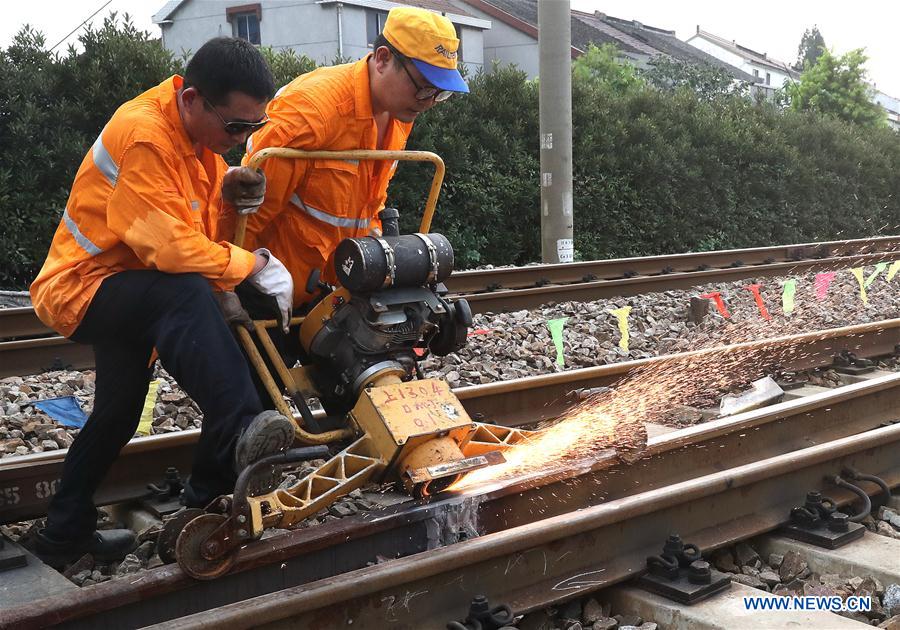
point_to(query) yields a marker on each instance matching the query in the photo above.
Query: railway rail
(539, 540)
(27, 346)
(532, 542)
(543, 563)
(31, 478)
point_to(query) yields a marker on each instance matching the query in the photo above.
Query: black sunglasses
(423, 92)
(235, 127)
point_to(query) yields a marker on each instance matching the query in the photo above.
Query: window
(245, 21)
(755, 73)
(374, 24)
(246, 26)
(768, 79)
(459, 56)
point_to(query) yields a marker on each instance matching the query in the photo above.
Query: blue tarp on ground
(64, 410)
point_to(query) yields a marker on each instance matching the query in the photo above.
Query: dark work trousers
(132, 313)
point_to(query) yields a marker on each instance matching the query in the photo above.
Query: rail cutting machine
(363, 342)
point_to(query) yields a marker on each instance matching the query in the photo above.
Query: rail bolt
(699, 572)
(673, 546)
(479, 606)
(838, 522)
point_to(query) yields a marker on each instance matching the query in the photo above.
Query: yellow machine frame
(369, 455)
(294, 380)
(418, 429)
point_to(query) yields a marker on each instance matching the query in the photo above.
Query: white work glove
(244, 188)
(274, 280)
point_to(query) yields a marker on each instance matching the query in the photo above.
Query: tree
(812, 44)
(836, 86)
(705, 80)
(603, 67)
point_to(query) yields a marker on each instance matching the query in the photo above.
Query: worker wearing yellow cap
(309, 206)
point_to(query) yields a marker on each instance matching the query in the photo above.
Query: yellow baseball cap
(429, 40)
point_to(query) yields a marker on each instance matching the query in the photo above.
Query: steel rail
(562, 557)
(45, 354)
(526, 298)
(523, 277)
(521, 287)
(721, 457)
(21, 321)
(510, 403)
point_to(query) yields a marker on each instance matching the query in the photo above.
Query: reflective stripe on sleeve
(104, 162)
(330, 219)
(80, 238)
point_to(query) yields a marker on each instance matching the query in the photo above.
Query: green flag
(556, 332)
(787, 296)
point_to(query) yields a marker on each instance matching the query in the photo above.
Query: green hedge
(656, 170)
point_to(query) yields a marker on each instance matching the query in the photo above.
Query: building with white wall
(513, 37)
(769, 74)
(323, 30)
(772, 74)
(891, 105)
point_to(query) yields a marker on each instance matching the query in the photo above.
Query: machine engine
(390, 311)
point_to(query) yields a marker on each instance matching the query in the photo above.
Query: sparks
(615, 418)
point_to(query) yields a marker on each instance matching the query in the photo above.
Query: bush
(658, 168)
(669, 160)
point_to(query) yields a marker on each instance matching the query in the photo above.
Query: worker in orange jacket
(310, 207)
(135, 265)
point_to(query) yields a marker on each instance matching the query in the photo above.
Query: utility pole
(555, 92)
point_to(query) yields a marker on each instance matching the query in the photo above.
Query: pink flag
(823, 281)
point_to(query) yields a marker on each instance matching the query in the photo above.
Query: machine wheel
(165, 544)
(427, 489)
(189, 545)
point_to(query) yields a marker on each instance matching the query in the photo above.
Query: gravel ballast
(505, 346)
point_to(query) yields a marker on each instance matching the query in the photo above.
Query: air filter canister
(412, 260)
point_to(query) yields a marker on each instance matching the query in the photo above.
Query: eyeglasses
(423, 92)
(236, 127)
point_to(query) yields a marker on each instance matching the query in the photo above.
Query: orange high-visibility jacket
(141, 200)
(311, 206)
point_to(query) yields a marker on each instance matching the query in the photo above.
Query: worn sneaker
(268, 433)
(108, 545)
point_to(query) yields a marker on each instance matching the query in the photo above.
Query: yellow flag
(147, 414)
(858, 273)
(622, 315)
(895, 267)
